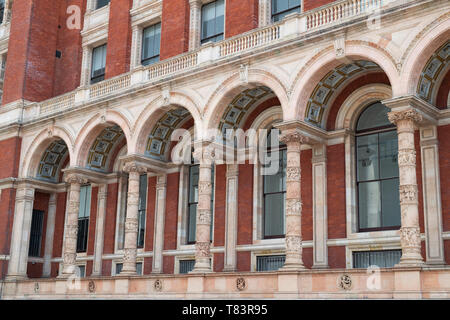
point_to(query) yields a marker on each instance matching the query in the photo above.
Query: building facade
(101, 99)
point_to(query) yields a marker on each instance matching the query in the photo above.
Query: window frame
(283, 13)
(367, 132)
(208, 39)
(142, 211)
(87, 220)
(96, 4)
(96, 79)
(142, 59)
(40, 232)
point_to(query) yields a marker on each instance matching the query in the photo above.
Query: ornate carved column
(100, 229)
(131, 222)
(231, 221)
(160, 210)
(20, 238)
(293, 206)
(203, 237)
(71, 228)
(406, 121)
(194, 24)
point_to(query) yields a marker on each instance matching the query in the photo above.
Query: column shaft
(100, 229)
(49, 235)
(194, 24)
(231, 217)
(160, 210)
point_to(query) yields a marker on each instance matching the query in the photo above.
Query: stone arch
(39, 145)
(420, 50)
(155, 111)
(93, 128)
(318, 67)
(233, 86)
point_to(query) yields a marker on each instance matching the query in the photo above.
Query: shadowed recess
(436, 66)
(103, 147)
(320, 99)
(158, 142)
(52, 160)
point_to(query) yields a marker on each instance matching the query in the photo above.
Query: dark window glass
(37, 224)
(212, 21)
(194, 171)
(83, 218)
(274, 190)
(186, 266)
(82, 271)
(98, 64)
(281, 8)
(101, 3)
(382, 259)
(142, 210)
(151, 38)
(2, 10)
(269, 263)
(119, 267)
(377, 171)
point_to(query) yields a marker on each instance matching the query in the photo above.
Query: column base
(16, 277)
(200, 270)
(320, 266)
(229, 269)
(127, 274)
(292, 267)
(410, 262)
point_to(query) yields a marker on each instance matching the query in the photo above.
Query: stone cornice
(151, 165)
(91, 176)
(429, 113)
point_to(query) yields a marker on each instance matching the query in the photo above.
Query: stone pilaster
(265, 7)
(100, 229)
(203, 228)
(160, 210)
(406, 121)
(20, 238)
(293, 206)
(85, 66)
(194, 24)
(231, 222)
(136, 47)
(131, 222)
(49, 235)
(71, 228)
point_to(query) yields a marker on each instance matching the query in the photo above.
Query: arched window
(377, 170)
(274, 188)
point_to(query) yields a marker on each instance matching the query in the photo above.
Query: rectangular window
(37, 225)
(269, 263)
(281, 8)
(274, 199)
(82, 271)
(142, 210)
(119, 267)
(381, 259)
(2, 10)
(186, 266)
(101, 3)
(98, 64)
(212, 21)
(194, 171)
(83, 218)
(151, 38)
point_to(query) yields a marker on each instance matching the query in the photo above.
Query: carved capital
(74, 178)
(410, 115)
(293, 136)
(134, 167)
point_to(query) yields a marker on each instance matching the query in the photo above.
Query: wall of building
(240, 16)
(174, 28)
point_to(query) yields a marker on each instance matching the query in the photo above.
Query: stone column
(203, 229)
(432, 206)
(20, 238)
(265, 7)
(406, 121)
(136, 47)
(293, 206)
(231, 222)
(195, 24)
(85, 66)
(320, 214)
(49, 235)
(160, 210)
(100, 229)
(131, 222)
(71, 228)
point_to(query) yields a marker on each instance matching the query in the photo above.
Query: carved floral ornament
(134, 167)
(410, 114)
(202, 249)
(74, 178)
(293, 136)
(410, 237)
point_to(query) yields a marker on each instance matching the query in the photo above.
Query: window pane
(139, 268)
(269, 263)
(186, 266)
(37, 223)
(374, 116)
(101, 3)
(369, 205)
(193, 183)
(367, 155)
(192, 222)
(274, 214)
(85, 202)
(219, 17)
(279, 5)
(151, 44)
(212, 21)
(388, 154)
(390, 203)
(98, 61)
(382, 259)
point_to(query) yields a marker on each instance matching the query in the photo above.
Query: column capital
(293, 136)
(204, 152)
(408, 115)
(195, 2)
(73, 178)
(133, 166)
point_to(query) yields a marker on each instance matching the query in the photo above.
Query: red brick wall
(34, 270)
(110, 219)
(68, 67)
(150, 218)
(174, 28)
(243, 263)
(241, 16)
(41, 201)
(9, 161)
(31, 52)
(442, 96)
(306, 192)
(219, 205)
(168, 264)
(311, 4)
(261, 108)
(119, 38)
(444, 167)
(245, 204)
(106, 268)
(7, 203)
(336, 257)
(218, 262)
(336, 191)
(148, 265)
(307, 257)
(447, 251)
(170, 226)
